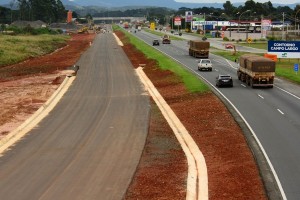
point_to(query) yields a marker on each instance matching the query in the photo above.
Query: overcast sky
(237, 1)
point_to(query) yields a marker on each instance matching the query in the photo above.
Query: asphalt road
(88, 147)
(273, 114)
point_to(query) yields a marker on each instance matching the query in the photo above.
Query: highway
(272, 114)
(89, 145)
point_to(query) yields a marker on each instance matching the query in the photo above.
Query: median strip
(197, 180)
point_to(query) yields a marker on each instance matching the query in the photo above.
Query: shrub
(226, 39)
(218, 34)
(199, 31)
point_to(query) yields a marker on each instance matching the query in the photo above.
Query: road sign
(296, 67)
(284, 49)
(249, 40)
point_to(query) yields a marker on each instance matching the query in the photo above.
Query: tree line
(251, 10)
(31, 10)
(54, 11)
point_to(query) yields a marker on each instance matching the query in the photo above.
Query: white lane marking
(216, 70)
(230, 64)
(260, 96)
(243, 85)
(288, 92)
(280, 111)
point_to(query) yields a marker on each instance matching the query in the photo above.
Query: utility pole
(283, 26)
(204, 25)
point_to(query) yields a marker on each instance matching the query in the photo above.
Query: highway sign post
(284, 49)
(296, 68)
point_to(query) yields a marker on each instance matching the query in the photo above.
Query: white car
(204, 64)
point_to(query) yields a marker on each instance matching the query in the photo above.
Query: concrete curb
(31, 122)
(197, 180)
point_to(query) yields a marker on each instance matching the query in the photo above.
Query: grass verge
(14, 49)
(191, 82)
(255, 45)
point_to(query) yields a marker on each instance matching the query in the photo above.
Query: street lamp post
(240, 18)
(296, 19)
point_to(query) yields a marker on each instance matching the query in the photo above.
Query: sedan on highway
(155, 43)
(224, 80)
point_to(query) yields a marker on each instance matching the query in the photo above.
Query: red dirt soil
(162, 171)
(25, 86)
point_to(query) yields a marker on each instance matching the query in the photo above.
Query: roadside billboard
(284, 49)
(188, 16)
(177, 21)
(265, 26)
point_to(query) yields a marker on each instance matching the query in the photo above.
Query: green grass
(285, 69)
(14, 49)
(191, 82)
(255, 45)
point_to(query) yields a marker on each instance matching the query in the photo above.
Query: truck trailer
(199, 49)
(256, 71)
(166, 39)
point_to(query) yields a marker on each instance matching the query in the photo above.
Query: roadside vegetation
(14, 49)
(257, 45)
(191, 82)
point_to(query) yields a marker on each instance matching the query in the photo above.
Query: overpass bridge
(98, 20)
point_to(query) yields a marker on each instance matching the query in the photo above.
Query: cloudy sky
(235, 1)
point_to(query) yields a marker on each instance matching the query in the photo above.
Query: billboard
(265, 26)
(177, 21)
(188, 16)
(284, 49)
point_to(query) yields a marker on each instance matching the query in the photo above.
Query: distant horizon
(239, 1)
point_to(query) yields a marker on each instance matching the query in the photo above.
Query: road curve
(89, 145)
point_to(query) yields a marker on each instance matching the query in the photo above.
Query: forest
(51, 11)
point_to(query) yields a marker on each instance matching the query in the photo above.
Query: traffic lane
(266, 122)
(287, 105)
(278, 136)
(87, 147)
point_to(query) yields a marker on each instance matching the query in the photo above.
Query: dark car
(224, 80)
(155, 43)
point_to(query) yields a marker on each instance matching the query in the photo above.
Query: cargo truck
(256, 70)
(166, 39)
(199, 49)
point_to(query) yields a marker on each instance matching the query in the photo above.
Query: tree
(45, 10)
(228, 8)
(11, 5)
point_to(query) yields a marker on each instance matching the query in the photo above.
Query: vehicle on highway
(224, 80)
(166, 39)
(204, 64)
(155, 43)
(228, 46)
(256, 70)
(199, 49)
